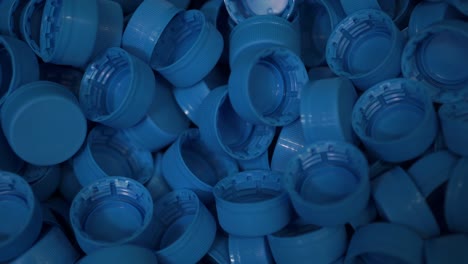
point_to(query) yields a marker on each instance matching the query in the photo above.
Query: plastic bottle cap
(427, 13)
(303, 243)
(189, 164)
(446, 249)
(123, 254)
(266, 87)
(43, 123)
(223, 131)
(260, 32)
(218, 253)
(385, 243)
(21, 219)
(440, 72)
(399, 201)
(290, 143)
(328, 183)
(44, 180)
(365, 47)
(128, 6)
(188, 49)
(455, 126)
(69, 186)
(10, 14)
(319, 73)
(186, 228)
(112, 211)
(240, 10)
(325, 110)
(396, 101)
(106, 153)
(249, 250)
(365, 217)
(9, 161)
(252, 203)
(456, 196)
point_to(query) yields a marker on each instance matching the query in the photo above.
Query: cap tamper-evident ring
(186, 229)
(43, 123)
(365, 47)
(21, 219)
(453, 118)
(124, 254)
(427, 13)
(436, 57)
(328, 183)
(252, 203)
(456, 195)
(240, 10)
(450, 249)
(112, 211)
(44, 180)
(397, 101)
(249, 250)
(108, 152)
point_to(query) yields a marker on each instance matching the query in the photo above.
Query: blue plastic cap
(21, 219)
(396, 9)
(325, 110)
(223, 131)
(396, 101)
(112, 211)
(188, 49)
(446, 249)
(365, 217)
(240, 10)
(328, 183)
(455, 126)
(43, 123)
(399, 201)
(44, 180)
(69, 185)
(441, 72)
(18, 66)
(157, 185)
(219, 251)
(9, 161)
(290, 143)
(186, 228)
(189, 164)
(259, 163)
(249, 250)
(10, 16)
(266, 88)
(128, 6)
(252, 203)
(261, 32)
(427, 13)
(107, 152)
(125, 254)
(301, 243)
(385, 243)
(365, 47)
(456, 196)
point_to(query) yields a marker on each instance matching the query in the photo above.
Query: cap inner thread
(51, 26)
(6, 71)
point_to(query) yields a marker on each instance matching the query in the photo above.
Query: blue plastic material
(365, 47)
(385, 243)
(52, 247)
(128, 6)
(69, 186)
(265, 88)
(397, 9)
(319, 73)
(317, 20)
(455, 126)
(239, 10)
(9, 161)
(219, 251)
(223, 131)
(461, 5)
(449, 249)
(44, 180)
(328, 183)
(456, 196)
(108, 153)
(157, 185)
(260, 32)
(186, 228)
(290, 143)
(188, 49)
(441, 72)
(163, 122)
(259, 163)
(249, 250)
(124, 254)
(325, 110)
(189, 164)
(399, 201)
(252, 203)
(300, 243)
(67, 76)
(365, 217)
(21, 219)
(396, 101)
(10, 15)
(110, 212)
(43, 123)
(427, 13)
(18, 66)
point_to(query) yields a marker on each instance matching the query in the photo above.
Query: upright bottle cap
(124, 254)
(427, 13)
(9, 161)
(240, 10)
(365, 47)
(112, 211)
(21, 219)
(446, 249)
(396, 101)
(188, 49)
(186, 228)
(265, 88)
(328, 183)
(189, 164)
(252, 203)
(436, 58)
(43, 123)
(108, 152)
(10, 15)
(249, 250)
(290, 143)
(44, 180)
(399, 201)
(456, 195)
(455, 126)
(325, 110)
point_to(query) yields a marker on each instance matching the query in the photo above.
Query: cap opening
(32, 26)
(6, 71)
(112, 210)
